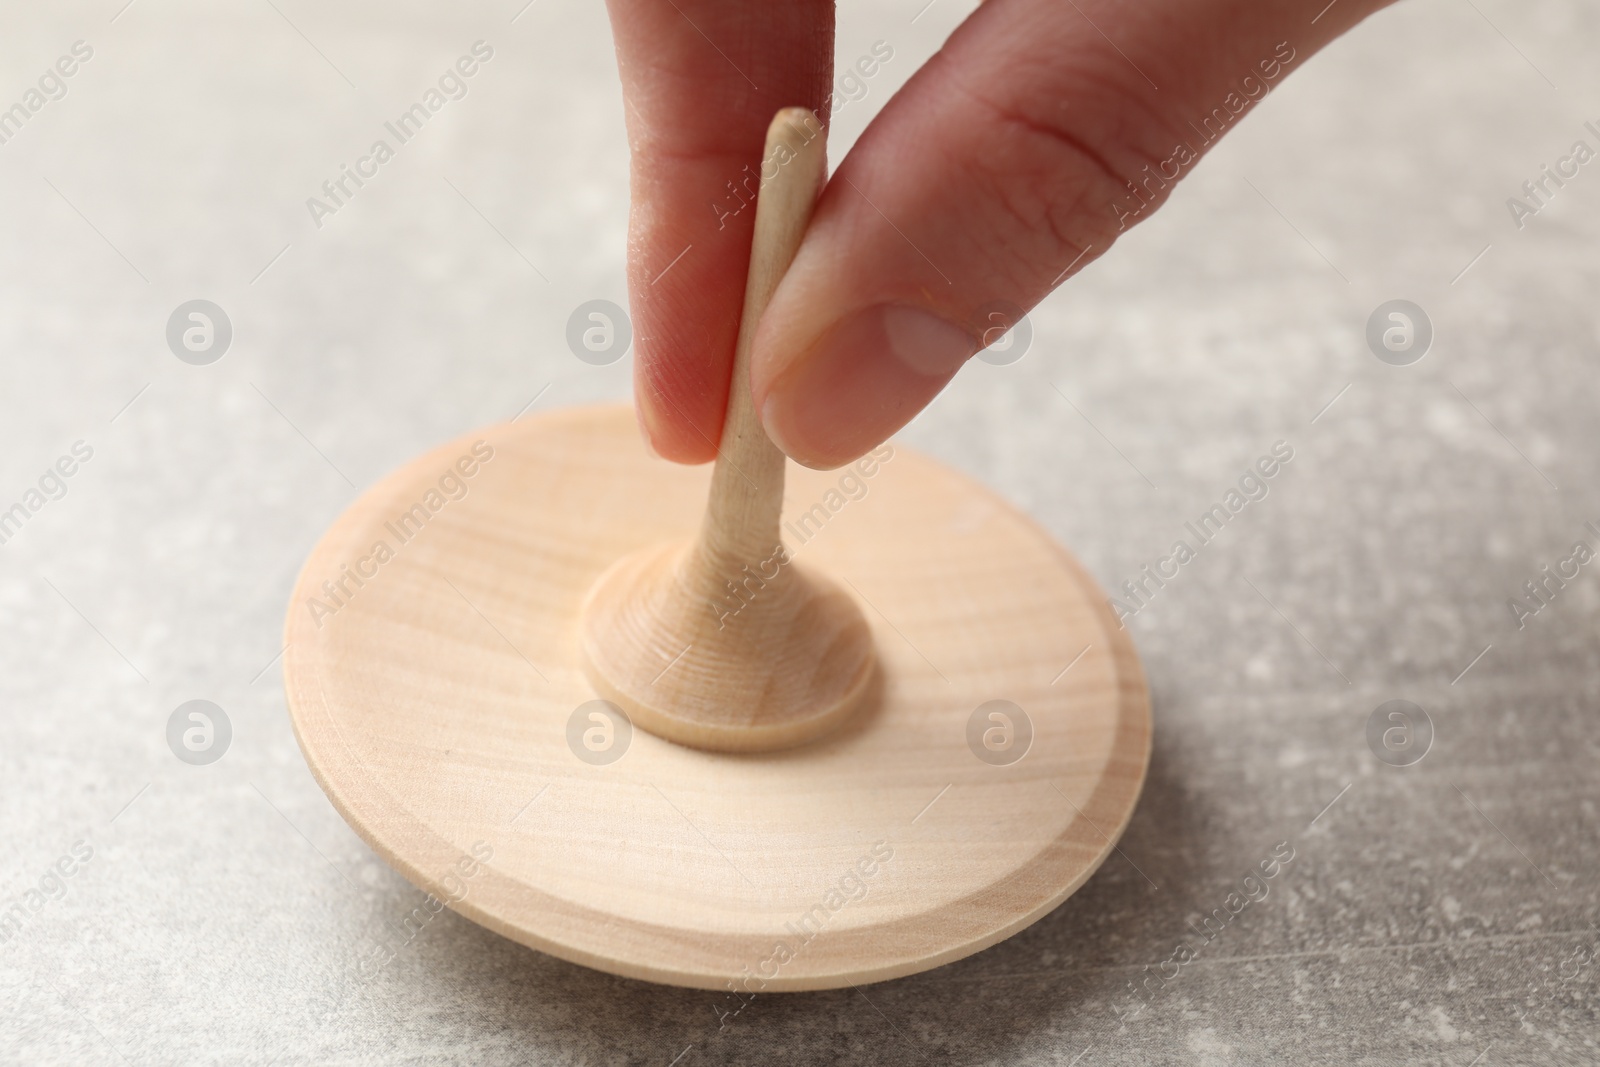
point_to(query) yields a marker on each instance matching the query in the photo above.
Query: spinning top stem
(725, 643)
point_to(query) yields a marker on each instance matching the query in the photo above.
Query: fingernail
(863, 380)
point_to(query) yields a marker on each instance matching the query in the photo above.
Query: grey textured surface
(1438, 913)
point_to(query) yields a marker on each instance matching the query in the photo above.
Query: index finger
(701, 79)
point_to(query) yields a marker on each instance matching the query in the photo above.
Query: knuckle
(1061, 164)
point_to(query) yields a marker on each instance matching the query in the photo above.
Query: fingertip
(647, 435)
(666, 430)
(864, 378)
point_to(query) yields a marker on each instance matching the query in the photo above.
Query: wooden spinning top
(904, 735)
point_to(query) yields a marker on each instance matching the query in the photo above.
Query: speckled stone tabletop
(1440, 905)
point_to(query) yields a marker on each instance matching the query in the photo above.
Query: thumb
(1016, 156)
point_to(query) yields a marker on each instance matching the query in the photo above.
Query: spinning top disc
(436, 686)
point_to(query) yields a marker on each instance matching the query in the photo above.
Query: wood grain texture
(433, 701)
(766, 653)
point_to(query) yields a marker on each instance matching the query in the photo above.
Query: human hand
(1013, 158)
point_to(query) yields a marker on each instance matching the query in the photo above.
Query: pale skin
(1000, 169)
